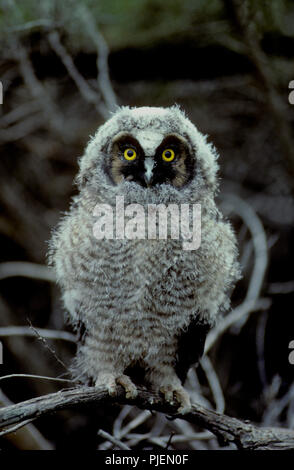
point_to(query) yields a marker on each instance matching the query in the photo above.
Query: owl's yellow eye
(168, 155)
(130, 154)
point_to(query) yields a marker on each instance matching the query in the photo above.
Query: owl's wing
(190, 347)
(81, 331)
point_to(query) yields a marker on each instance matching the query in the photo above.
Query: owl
(143, 306)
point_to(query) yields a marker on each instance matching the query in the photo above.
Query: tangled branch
(228, 430)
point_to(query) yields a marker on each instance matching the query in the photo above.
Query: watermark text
(158, 222)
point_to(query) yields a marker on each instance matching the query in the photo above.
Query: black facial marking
(180, 170)
(177, 172)
(119, 168)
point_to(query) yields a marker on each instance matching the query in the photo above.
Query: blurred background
(228, 64)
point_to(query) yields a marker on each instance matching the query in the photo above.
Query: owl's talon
(112, 390)
(107, 380)
(184, 400)
(167, 392)
(184, 408)
(128, 385)
(178, 395)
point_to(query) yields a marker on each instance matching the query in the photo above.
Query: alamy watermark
(161, 221)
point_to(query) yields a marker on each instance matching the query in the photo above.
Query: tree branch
(27, 438)
(86, 91)
(229, 430)
(25, 269)
(246, 14)
(103, 78)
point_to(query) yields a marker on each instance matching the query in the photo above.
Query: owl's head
(148, 153)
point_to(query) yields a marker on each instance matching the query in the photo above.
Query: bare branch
(276, 407)
(252, 302)
(16, 427)
(24, 269)
(281, 287)
(103, 78)
(277, 106)
(27, 354)
(23, 128)
(137, 421)
(18, 113)
(250, 218)
(252, 221)
(214, 384)
(162, 440)
(47, 346)
(28, 438)
(36, 88)
(235, 316)
(6, 331)
(117, 425)
(186, 429)
(230, 430)
(86, 91)
(29, 25)
(113, 440)
(32, 376)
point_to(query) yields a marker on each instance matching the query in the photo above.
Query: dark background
(228, 64)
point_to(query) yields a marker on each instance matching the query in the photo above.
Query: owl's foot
(128, 385)
(111, 380)
(177, 394)
(107, 380)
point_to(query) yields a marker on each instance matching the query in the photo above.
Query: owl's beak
(148, 175)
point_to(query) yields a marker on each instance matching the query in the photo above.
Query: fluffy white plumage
(143, 303)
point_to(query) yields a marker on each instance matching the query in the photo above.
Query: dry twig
(29, 437)
(6, 331)
(25, 269)
(86, 91)
(113, 440)
(103, 79)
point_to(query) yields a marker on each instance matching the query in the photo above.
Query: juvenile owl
(144, 305)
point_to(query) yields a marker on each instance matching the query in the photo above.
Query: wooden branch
(29, 437)
(228, 430)
(276, 104)
(25, 269)
(86, 91)
(7, 331)
(103, 78)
